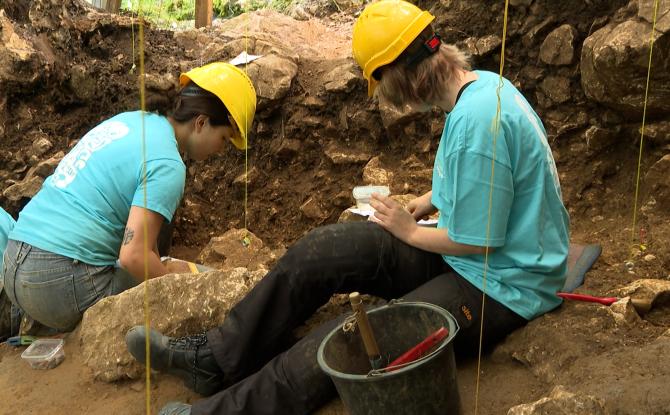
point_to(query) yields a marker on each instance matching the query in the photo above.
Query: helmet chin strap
(428, 47)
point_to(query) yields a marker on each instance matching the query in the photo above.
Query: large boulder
(614, 68)
(178, 304)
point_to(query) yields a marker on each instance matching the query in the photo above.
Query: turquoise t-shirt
(6, 225)
(529, 224)
(82, 209)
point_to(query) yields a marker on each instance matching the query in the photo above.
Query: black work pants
(270, 373)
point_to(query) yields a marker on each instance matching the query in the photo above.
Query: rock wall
(66, 67)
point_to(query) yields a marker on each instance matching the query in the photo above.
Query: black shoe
(189, 358)
(6, 327)
(175, 408)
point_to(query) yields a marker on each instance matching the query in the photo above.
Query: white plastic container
(362, 194)
(44, 353)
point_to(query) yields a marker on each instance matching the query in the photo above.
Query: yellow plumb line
(644, 118)
(147, 361)
(496, 130)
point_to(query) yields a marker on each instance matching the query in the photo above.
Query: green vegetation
(166, 12)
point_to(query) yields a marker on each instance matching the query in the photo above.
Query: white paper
(244, 58)
(370, 212)
(362, 212)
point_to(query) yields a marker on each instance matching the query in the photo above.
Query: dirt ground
(44, 100)
(67, 390)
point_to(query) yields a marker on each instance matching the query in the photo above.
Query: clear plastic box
(44, 353)
(362, 195)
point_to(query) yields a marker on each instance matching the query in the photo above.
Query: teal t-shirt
(82, 209)
(528, 222)
(6, 225)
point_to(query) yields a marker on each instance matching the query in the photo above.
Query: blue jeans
(56, 290)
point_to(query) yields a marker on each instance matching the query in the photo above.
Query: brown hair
(404, 83)
(189, 103)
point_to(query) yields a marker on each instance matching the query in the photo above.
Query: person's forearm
(135, 266)
(437, 240)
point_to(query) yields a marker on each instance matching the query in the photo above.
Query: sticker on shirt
(94, 140)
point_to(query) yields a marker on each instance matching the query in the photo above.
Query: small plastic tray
(362, 194)
(44, 353)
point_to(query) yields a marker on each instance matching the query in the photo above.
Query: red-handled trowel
(641, 306)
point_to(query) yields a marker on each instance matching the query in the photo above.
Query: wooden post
(203, 13)
(113, 6)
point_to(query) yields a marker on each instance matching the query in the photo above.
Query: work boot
(175, 408)
(189, 358)
(7, 329)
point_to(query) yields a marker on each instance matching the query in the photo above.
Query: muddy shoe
(175, 408)
(5, 317)
(188, 358)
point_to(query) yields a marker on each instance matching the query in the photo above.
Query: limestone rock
(250, 177)
(646, 289)
(339, 155)
(26, 188)
(597, 139)
(482, 46)
(41, 145)
(19, 61)
(313, 210)
(179, 304)
(624, 313)
(341, 79)
(657, 182)
(272, 76)
(658, 132)
(394, 119)
(558, 47)
(160, 82)
(46, 168)
(349, 216)
(230, 250)
(557, 88)
(562, 402)
(287, 148)
(375, 174)
(314, 103)
(82, 83)
(614, 68)
(646, 11)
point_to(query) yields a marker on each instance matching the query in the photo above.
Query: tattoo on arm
(128, 236)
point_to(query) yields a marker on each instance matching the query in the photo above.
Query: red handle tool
(588, 298)
(420, 349)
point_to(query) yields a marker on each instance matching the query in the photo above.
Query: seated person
(502, 236)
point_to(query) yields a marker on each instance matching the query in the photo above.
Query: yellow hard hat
(234, 89)
(383, 31)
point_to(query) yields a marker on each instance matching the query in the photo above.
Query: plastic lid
(364, 192)
(42, 349)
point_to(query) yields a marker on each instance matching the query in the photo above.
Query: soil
(599, 187)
